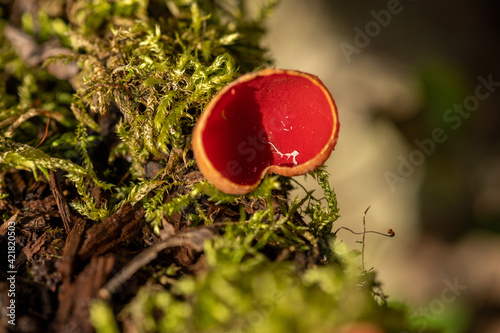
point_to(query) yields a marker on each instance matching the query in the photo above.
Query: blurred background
(417, 85)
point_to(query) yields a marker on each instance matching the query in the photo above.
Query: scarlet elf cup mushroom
(279, 121)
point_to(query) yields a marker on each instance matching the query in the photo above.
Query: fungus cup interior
(269, 121)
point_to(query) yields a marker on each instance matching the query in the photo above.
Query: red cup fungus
(279, 121)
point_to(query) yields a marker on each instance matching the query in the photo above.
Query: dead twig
(60, 201)
(192, 238)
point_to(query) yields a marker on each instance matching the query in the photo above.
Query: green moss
(253, 294)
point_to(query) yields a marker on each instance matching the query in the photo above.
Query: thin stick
(46, 129)
(390, 233)
(363, 244)
(193, 238)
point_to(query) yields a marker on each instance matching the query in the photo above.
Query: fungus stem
(363, 245)
(390, 233)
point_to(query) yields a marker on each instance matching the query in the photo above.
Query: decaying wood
(33, 247)
(60, 201)
(123, 226)
(5, 225)
(37, 207)
(16, 186)
(75, 298)
(73, 242)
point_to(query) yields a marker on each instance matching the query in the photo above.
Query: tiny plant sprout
(279, 121)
